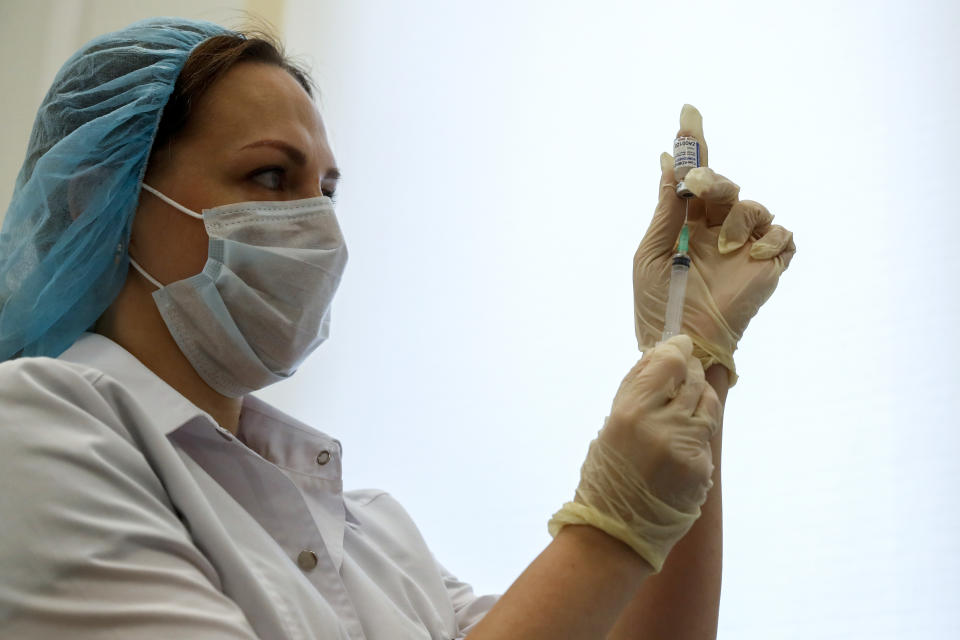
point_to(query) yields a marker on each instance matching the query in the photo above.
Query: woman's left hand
(736, 255)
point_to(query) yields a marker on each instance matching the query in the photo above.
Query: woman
(172, 246)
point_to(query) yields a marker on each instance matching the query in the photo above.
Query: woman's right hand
(649, 469)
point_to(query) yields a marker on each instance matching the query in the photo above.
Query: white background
(500, 166)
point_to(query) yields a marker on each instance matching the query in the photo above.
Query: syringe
(678, 285)
(686, 156)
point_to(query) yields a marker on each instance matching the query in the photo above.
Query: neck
(133, 322)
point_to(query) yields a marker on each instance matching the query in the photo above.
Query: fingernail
(761, 251)
(698, 179)
(691, 121)
(726, 247)
(666, 162)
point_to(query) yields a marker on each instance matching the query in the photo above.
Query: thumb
(661, 236)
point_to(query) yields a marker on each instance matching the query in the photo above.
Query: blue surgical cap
(63, 246)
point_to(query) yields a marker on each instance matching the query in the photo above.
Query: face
(254, 135)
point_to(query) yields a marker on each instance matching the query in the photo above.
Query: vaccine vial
(686, 156)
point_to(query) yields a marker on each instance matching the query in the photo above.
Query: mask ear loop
(171, 202)
(174, 204)
(144, 273)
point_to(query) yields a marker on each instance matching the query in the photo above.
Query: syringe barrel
(675, 296)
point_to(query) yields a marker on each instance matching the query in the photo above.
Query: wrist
(718, 377)
(710, 356)
(604, 550)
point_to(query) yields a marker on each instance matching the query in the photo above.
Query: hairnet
(63, 246)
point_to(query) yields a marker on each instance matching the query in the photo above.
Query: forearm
(683, 600)
(576, 588)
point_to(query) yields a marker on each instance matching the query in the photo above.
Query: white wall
(500, 164)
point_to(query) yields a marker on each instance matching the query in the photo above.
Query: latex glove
(736, 254)
(648, 471)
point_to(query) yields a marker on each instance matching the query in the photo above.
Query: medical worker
(172, 246)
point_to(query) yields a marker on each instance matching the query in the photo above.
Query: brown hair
(209, 61)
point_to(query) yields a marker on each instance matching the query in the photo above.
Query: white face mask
(261, 304)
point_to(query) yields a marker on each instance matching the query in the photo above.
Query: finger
(640, 365)
(691, 124)
(682, 342)
(745, 218)
(709, 410)
(697, 458)
(784, 258)
(661, 235)
(663, 375)
(703, 466)
(689, 396)
(716, 192)
(771, 244)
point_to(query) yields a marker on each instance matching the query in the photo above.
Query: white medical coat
(126, 512)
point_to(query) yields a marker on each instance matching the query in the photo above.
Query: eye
(329, 188)
(272, 178)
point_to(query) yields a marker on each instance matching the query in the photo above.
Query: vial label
(686, 153)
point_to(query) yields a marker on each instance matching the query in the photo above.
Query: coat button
(324, 457)
(307, 560)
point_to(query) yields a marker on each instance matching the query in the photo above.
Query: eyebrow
(295, 154)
